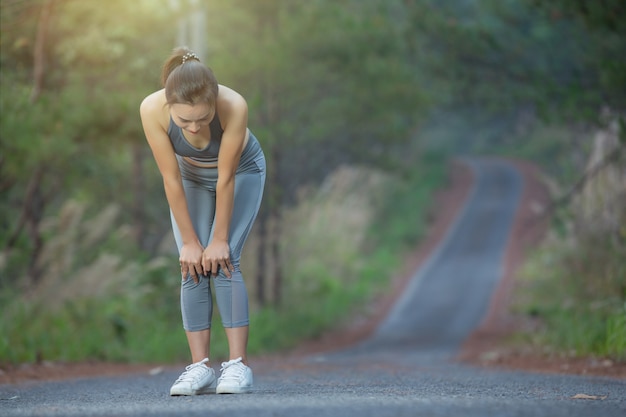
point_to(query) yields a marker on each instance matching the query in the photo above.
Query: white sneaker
(236, 378)
(197, 379)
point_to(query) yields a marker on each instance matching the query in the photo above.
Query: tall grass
(577, 290)
(137, 324)
(342, 239)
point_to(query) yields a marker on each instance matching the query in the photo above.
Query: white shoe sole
(178, 392)
(233, 390)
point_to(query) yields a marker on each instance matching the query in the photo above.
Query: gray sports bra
(182, 147)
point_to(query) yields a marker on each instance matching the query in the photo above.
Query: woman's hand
(191, 261)
(217, 256)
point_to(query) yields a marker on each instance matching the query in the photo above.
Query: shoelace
(187, 375)
(233, 369)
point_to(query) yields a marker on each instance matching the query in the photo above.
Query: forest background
(359, 106)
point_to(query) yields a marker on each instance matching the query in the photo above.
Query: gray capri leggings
(230, 293)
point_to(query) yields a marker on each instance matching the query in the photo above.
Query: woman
(213, 172)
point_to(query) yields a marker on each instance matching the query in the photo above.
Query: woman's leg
(231, 293)
(237, 343)
(199, 344)
(195, 298)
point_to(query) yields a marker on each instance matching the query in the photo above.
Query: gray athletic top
(183, 148)
(250, 156)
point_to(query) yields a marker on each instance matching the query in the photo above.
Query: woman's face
(192, 117)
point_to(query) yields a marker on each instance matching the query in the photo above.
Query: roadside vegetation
(576, 290)
(341, 240)
(573, 286)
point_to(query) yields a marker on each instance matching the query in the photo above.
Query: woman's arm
(152, 111)
(233, 111)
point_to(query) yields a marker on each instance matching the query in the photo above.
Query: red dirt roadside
(488, 346)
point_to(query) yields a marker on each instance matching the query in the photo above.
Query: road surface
(404, 369)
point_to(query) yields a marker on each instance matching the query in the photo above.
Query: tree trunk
(275, 215)
(261, 267)
(34, 209)
(138, 184)
(39, 55)
(34, 202)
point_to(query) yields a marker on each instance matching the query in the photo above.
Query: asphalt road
(404, 369)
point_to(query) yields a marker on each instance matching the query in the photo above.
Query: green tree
(564, 58)
(70, 77)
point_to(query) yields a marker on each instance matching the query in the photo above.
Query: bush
(578, 291)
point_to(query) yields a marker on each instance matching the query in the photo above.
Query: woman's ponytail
(187, 80)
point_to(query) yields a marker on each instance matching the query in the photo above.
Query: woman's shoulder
(230, 103)
(154, 103)
(154, 107)
(229, 97)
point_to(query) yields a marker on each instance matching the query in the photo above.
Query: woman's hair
(187, 80)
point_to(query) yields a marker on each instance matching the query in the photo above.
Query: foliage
(604, 22)
(93, 300)
(579, 292)
(71, 140)
(497, 64)
(575, 283)
(327, 83)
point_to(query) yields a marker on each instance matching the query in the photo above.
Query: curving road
(404, 369)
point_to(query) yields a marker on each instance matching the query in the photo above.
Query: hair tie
(190, 55)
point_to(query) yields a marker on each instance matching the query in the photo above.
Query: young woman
(213, 172)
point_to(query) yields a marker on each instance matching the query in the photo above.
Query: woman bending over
(213, 171)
